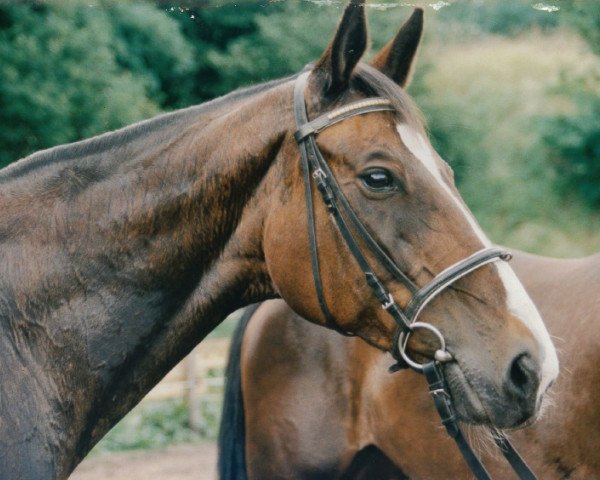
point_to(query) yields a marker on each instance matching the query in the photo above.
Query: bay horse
(118, 254)
(317, 405)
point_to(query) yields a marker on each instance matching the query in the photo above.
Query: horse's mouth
(478, 405)
(467, 404)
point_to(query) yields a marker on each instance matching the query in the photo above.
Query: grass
(157, 424)
(150, 425)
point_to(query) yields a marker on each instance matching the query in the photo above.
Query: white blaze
(520, 305)
(518, 301)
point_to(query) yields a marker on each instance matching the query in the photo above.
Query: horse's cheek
(288, 261)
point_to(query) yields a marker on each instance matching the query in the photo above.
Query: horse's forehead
(363, 133)
(404, 142)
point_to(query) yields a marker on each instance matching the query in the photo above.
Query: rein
(314, 165)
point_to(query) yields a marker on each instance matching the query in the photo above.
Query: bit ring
(441, 355)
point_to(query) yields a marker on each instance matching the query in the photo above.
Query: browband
(327, 119)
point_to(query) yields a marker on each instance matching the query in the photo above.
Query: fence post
(192, 392)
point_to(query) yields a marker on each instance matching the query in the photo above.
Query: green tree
(499, 17)
(281, 40)
(69, 73)
(151, 45)
(584, 16)
(573, 146)
(210, 31)
(572, 140)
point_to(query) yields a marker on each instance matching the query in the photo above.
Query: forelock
(373, 83)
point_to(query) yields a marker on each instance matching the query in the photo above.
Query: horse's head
(405, 196)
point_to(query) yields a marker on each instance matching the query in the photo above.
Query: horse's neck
(123, 261)
(566, 293)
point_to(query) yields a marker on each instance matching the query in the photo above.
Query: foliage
(72, 68)
(158, 423)
(150, 425)
(151, 46)
(573, 143)
(210, 31)
(585, 17)
(252, 44)
(487, 123)
(282, 44)
(572, 139)
(70, 73)
(477, 17)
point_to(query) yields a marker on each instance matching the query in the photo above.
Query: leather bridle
(314, 165)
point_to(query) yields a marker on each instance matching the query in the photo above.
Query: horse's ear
(396, 58)
(334, 68)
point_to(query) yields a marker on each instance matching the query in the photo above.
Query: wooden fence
(199, 378)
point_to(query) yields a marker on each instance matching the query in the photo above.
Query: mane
(106, 141)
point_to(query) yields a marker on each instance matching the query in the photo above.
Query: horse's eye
(378, 179)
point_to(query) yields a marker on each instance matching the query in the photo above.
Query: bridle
(314, 165)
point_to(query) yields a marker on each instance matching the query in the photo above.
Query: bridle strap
(451, 275)
(328, 119)
(443, 404)
(312, 241)
(322, 173)
(443, 280)
(512, 456)
(312, 160)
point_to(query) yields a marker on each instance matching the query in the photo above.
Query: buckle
(440, 392)
(389, 302)
(319, 175)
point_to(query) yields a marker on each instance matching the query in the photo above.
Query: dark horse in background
(120, 253)
(317, 405)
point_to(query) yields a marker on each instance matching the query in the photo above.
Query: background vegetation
(510, 91)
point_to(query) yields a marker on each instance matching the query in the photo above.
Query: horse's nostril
(518, 375)
(522, 376)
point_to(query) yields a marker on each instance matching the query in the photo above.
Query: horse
(118, 254)
(313, 404)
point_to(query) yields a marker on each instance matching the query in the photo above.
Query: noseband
(314, 164)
